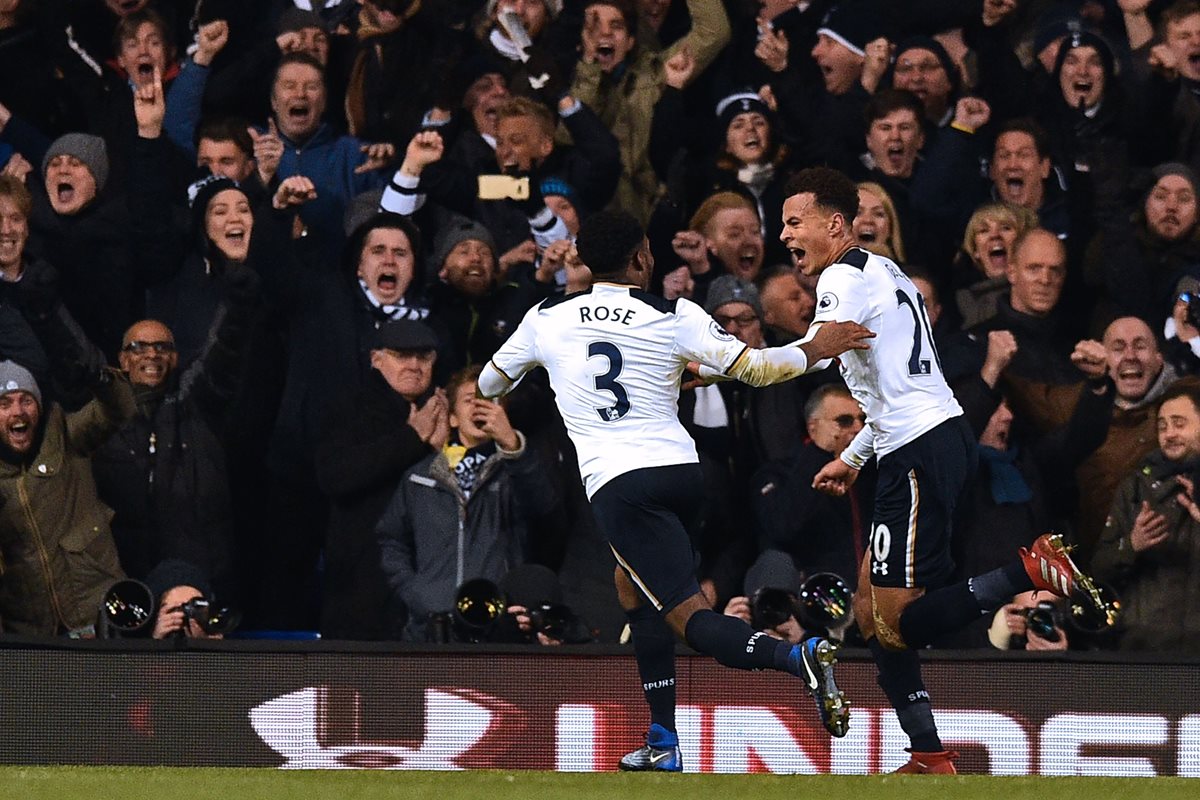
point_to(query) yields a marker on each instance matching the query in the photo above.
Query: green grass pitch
(140, 783)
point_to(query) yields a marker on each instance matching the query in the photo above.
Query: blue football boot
(659, 754)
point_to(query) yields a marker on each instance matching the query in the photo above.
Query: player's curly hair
(833, 190)
(607, 241)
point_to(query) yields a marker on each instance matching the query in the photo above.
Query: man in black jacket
(393, 423)
(164, 473)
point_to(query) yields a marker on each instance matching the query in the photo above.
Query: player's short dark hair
(608, 240)
(1029, 126)
(832, 189)
(886, 101)
(226, 129)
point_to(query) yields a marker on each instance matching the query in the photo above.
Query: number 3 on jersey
(607, 381)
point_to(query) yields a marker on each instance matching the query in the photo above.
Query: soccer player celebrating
(615, 354)
(925, 451)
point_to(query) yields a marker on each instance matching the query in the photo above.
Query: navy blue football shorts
(641, 515)
(919, 487)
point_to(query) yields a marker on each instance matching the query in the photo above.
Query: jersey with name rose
(898, 380)
(615, 355)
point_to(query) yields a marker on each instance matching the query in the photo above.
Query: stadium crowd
(254, 255)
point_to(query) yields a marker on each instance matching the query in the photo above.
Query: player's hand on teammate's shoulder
(834, 338)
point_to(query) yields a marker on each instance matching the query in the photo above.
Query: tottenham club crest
(828, 302)
(719, 332)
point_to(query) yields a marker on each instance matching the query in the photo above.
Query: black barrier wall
(573, 710)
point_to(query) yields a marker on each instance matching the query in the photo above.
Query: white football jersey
(898, 380)
(615, 355)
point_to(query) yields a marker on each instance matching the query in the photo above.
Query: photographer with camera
(779, 601)
(185, 608)
(1029, 623)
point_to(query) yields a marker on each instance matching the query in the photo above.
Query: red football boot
(1048, 564)
(940, 763)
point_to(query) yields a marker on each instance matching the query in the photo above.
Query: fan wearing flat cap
(396, 420)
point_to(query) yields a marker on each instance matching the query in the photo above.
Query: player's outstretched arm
(493, 383)
(778, 364)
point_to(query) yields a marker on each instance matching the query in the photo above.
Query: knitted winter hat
(15, 378)
(740, 103)
(455, 233)
(87, 148)
(935, 47)
(730, 289)
(853, 24)
(1088, 39)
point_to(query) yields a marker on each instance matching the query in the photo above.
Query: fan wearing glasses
(164, 473)
(820, 533)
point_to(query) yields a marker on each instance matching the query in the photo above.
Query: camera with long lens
(825, 602)
(213, 620)
(1043, 621)
(478, 606)
(127, 607)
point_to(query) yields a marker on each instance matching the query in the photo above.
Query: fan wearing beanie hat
(1085, 69)
(20, 408)
(59, 554)
(464, 253)
(842, 40)
(922, 66)
(74, 170)
(221, 218)
(735, 305)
